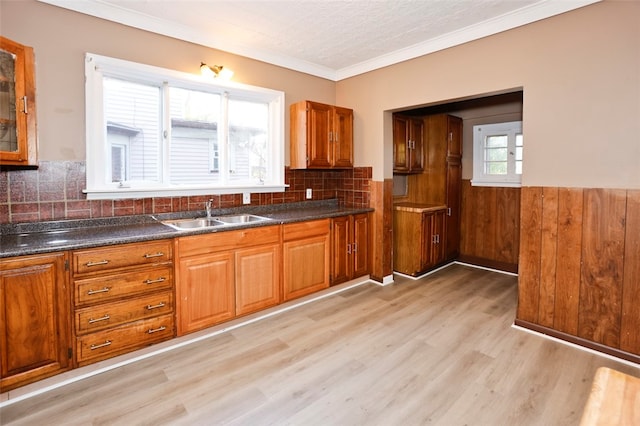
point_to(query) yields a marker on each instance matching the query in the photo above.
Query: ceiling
(333, 39)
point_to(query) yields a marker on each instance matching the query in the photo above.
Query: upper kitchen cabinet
(321, 136)
(408, 148)
(18, 137)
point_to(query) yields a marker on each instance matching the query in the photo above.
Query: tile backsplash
(54, 192)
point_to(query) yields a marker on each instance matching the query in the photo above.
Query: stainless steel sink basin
(203, 222)
(198, 223)
(241, 218)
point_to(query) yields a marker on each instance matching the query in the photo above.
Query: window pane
(497, 141)
(248, 141)
(132, 114)
(519, 140)
(194, 150)
(496, 168)
(496, 154)
(518, 167)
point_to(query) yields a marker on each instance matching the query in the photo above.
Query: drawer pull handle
(104, 318)
(159, 305)
(158, 254)
(101, 345)
(98, 263)
(159, 280)
(155, 330)
(102, 290)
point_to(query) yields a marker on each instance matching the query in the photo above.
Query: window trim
(97, 185)
(511, 128)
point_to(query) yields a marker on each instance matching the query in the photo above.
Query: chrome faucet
(207, 207)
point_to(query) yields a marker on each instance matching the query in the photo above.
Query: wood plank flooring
(439, 351)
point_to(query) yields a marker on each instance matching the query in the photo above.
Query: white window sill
(475, 182)
(132, 193)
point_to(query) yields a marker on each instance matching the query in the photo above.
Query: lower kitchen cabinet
(306, 250)
(419, 240)
(221, 275)
(123, 299)
(350, 256)
(35, 321)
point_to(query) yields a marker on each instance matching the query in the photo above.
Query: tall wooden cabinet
(440, 185)
(321, 136)
(408, 136)
(35, 320)
(351, 256)
(18, 132)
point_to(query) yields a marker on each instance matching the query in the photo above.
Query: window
(497, 154)
(157, 132)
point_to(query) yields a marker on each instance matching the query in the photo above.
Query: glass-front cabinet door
(18, 137)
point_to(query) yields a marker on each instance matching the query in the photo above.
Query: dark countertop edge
(91, 233)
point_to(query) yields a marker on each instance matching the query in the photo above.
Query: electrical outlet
(246, 198)
(308, 193)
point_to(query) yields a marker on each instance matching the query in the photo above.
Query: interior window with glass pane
(194, 149)
(497, 154)
(134, 129)
(248, 141)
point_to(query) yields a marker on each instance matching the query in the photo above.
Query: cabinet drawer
(112, 314)
(115, 341)
(228, 240)
(294, 231)
(109, 287)
(103, 259)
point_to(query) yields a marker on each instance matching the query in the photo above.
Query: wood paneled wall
(579, 273)
(490, 226)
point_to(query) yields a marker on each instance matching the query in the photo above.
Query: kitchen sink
(241, 218)
(198, 223)
(203, 222)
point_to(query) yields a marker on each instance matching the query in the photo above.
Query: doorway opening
(486, 231)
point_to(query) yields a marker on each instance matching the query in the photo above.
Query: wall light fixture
(215, 71)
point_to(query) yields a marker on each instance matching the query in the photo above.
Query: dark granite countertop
(44, 237)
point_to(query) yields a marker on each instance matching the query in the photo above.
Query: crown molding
(538, 11)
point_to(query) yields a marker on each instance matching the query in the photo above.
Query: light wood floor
(438, 351)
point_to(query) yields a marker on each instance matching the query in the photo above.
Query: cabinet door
(438, 230)
(340, 257)
(407, 242)
(416, 153)
(18, 146)
(427, 242)
(35, 321)
(205, 291)
(454, 145)
(342, 137)
(400, 143)
(257, 278)
(360, 245)
(319, 118)
(452, 229)
(306, 266)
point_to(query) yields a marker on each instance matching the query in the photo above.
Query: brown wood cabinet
(418, 236)
(123, 298)
(18, 132)
(35, 322)
(350, 247)
(221, 275)
(306, 262)
(441, 181)
(408, 141)
(321, 136)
